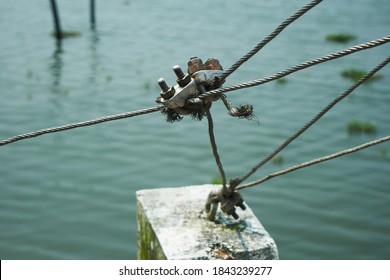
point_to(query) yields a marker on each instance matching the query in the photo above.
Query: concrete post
(172, 226)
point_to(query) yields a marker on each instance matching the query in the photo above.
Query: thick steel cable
(80, 124)
(288, 71)
(271, 36)
(215, 151)
(311, 122)
(278, 75)
(314, 161)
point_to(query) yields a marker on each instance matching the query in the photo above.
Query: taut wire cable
(215, 92)
(314, 161)
(80, 124)
(239, 180)
(268, 39)
(288, 71)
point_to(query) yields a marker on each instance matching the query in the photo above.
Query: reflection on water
(92, 12)
(93, 50)
(55, 65)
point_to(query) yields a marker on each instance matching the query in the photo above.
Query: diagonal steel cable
(80, 124)
(288, 71)
(239, 180)
(314, 161)
(267, 39)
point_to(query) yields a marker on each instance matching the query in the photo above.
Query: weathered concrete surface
(172, 225)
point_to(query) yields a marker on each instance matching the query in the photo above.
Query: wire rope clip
(228, 206)
(228, 202)
(207, 75)
(176, 97)
(200, 78)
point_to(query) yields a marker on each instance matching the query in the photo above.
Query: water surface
(71, 195)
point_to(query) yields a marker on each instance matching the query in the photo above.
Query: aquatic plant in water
(358, 127)
(357, 74)
(278, 159)
(340, 37)
(66, 34)
(281, 81)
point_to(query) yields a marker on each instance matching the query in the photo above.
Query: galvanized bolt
(182, 79)
(179, 73)
(241, 204)
(234, 214)
(163, 84)
(166, 91)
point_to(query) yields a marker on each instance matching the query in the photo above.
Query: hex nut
(166, 91)
(194, 65)
(168, 94)
(213, 64)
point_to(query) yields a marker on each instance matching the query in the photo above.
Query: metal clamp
(228, 206)
(229, 202)
(200, 78)
(175, 97)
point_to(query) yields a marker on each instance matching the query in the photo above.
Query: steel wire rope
(267, 39)
(215, 151)
(298, 67)
(278, 75)
(239, 180)
(314, 161)
(80, 124)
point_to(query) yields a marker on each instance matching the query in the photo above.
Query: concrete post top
(178, 220)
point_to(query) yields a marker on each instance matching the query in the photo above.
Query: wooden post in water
(92, 13)
(173, 226)
(56, 18)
